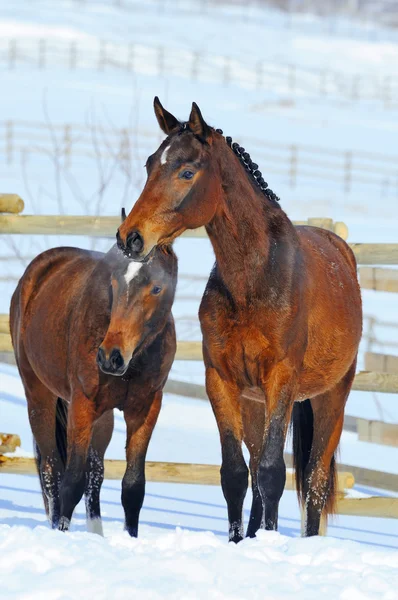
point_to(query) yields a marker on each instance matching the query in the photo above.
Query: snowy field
(182, 551)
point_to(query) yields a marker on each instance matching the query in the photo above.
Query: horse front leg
(271, 477)
(80, 427)
(140, 419)
(102, 434)
(224, 398)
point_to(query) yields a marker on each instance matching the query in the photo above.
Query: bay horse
(93, 332)
(281, 317)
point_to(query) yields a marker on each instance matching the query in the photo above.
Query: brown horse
(281, 317)
(92, 332)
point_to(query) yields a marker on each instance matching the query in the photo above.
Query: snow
(183, 564)
(182, 551)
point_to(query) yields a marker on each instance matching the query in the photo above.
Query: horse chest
(244, 352)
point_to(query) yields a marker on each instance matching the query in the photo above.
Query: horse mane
(244, 157)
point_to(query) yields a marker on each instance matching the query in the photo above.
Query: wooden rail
(366, 254)
(200, 66)
(11, 203)
(376, 278)
(9, 442)
(383, 363)
(107, 226)
(364, 381)
(199, 474)
(160, 472)
(376, 254)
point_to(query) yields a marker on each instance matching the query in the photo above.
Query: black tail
(61, 422)
(303, 433)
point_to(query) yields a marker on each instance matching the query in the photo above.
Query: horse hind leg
(42, 411)
(317, 427)
(102, 434)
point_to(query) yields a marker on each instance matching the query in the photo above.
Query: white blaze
(132, 271)
(163, 158)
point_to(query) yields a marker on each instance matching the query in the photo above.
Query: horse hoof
(64, 524)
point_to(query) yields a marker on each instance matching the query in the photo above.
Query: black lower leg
(71, 490)
(315, 494)
(93, 483)
(234, 482)
(133, 492)
(256, 512)
(272, 475)
(50, 470)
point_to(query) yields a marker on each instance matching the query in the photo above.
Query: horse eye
(156, 290)
(187, 175)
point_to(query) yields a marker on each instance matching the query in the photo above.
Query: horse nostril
(100, 357)
(135, 242)
(116, 359)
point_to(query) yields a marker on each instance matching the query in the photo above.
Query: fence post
(102, 56)
(42, 54)
(293, 165)
(130, 58)
(323, 82)
(291, 74)
(12, 54)
(387, 91)
(348, 171)
(260, 73)
(125, 153)
(9, 140)
(355, 86)
(73, 55)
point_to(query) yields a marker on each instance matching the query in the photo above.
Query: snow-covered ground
(359, 559)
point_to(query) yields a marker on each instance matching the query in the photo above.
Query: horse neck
(251, 237)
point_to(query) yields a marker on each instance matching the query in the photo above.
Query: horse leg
(140, 425)
(102, 434)
(253, 415)
(80, 427)
(279, 393)
(224, 398)
(318, 486)
(42, 409)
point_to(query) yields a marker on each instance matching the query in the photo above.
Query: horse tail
(61, 422)
(303, 434)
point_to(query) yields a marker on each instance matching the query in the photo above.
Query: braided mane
(252, 168)
(244, 157)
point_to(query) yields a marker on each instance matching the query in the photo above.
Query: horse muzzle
(114, 364)
(133, 246)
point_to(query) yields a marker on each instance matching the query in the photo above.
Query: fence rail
(347, 170)
(200, 474)
(286, 79)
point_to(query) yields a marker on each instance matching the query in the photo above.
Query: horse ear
(197, 124)
(167, 121)
(123, 215)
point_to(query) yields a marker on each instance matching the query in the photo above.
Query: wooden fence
(200, 474)
(291, 164)
(286, 79)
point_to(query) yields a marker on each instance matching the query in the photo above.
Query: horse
(93, 332)
(281, 317)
